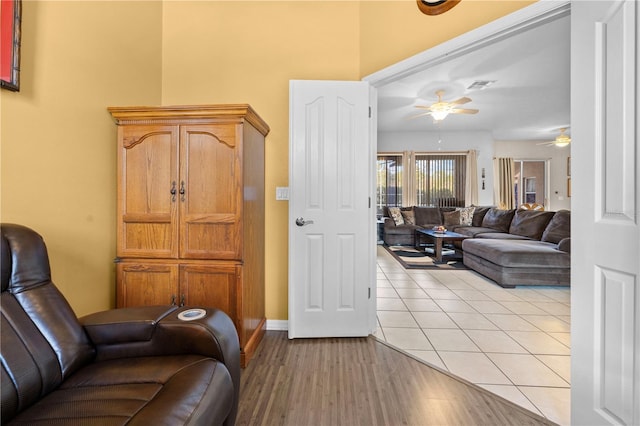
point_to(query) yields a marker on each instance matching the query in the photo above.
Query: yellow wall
(58, 141)
(395, 30)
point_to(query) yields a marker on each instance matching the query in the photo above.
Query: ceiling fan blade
(419, 115)
(423, 106)
(464, 111)
(460, 101)
(549, 143)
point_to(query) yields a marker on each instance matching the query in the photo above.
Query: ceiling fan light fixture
(439, 115)
(562, 139)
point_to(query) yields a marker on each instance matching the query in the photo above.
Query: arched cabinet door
(147, 184)
(211, 197)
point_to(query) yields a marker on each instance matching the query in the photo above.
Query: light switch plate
(282, 193)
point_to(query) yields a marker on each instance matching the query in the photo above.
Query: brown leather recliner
(134, 366)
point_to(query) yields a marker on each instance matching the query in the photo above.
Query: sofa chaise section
(518, 262)
(537, 251)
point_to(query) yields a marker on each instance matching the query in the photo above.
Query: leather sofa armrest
(565, 245)
(158, 330)
(162, 330)
(124, 325)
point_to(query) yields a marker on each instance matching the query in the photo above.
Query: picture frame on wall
(10, 38)
(568, 187)
(568, 166)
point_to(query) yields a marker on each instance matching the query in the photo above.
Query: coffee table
(437, 239)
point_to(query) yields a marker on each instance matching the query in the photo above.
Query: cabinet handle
(173, 300)
(173, 191)
(182, 191)
(182, 301)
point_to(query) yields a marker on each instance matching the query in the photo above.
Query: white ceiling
(529, 101)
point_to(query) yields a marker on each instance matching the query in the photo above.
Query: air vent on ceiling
(480, 84)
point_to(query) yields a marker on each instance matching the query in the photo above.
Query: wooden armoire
(190, 223)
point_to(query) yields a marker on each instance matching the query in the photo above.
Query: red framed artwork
(10, 17)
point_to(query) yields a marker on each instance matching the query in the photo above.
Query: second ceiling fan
(441, 109)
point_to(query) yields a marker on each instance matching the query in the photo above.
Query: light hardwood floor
(360, 381)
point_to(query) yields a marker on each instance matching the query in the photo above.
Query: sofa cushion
(472, 231)
(498, 219)
(143, 390)
(565, 245)
(530, 223)
(451, 218)
(502, 236)
(427, 216)
(396, 215)
(558, 228)
(518, 253)
(478, 215)
(408, 217)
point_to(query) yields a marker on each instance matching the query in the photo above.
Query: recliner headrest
(25, 261)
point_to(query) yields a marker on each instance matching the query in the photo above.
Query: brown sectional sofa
(512, 247)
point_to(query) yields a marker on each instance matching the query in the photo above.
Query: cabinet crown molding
(167, 114)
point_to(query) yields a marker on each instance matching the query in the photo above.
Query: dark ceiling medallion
(435, 7)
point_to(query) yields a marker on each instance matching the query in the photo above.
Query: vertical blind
(440, 179)
(389, 181)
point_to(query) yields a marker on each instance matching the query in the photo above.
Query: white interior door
(605, 284)
(330, 215)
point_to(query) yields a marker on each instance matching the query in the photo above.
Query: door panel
(213, 286)
(149, 168)
(329, 254)
(143, 284)
(605, 375)
(211, 196)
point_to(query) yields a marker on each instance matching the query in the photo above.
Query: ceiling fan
(441, 109)
(560, 141)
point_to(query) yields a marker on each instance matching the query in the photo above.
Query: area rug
(411, 258)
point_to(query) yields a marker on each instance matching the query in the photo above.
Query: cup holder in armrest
(192, 314)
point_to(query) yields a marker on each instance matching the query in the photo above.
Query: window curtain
(409, 182)
(503, 182)
(471, 184)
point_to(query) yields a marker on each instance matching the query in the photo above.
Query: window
(389, 181)
(440, 179)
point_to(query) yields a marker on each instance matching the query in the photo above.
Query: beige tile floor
(512, 342)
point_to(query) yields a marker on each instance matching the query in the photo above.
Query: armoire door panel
(211, 286)
(211, 202)
(141, 284)
(147, 202)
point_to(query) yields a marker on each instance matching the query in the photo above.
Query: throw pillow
(478, 215)
(466, 215)
(558, 228)
(408, 217)
(498, 219)
(451, 218)
(396, 215)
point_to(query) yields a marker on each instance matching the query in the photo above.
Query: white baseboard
(277, 325)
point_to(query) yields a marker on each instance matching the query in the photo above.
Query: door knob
(301, 222)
